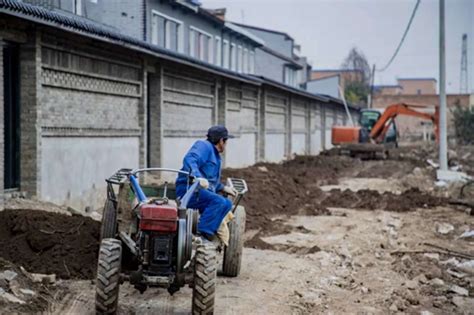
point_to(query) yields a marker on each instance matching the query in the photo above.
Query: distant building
(346, 75)
(387, 89)
(417, 86)
(328, 85)
(278, 59)
(408, 86)
(331, 81)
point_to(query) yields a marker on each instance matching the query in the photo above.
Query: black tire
(205, 277)
(233, 252)
(108, 228)
(108, 276)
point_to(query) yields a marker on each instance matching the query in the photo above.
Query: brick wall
(89, 108)
(30, 111)
(85, 93)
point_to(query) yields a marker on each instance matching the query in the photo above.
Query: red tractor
(151, 242)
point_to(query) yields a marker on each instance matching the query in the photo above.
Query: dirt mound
(45, 242)
(409, 200)
(289, 188)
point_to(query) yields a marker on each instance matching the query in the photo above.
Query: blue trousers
(212, 207)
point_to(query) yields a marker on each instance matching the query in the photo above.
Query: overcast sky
(327, 29)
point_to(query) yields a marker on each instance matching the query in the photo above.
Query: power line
(403, 38)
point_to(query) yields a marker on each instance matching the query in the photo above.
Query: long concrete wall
(241, 118)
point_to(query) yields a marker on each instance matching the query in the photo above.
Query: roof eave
(144, 50)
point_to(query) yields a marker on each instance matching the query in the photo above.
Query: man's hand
(230, 190)
(204, 183)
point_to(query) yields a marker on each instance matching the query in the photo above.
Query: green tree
(464, 124)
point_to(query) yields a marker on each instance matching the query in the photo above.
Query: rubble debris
(9, 298)
(20, 295)
(27, 292)
(456, 274)
(444, 228)
(459, 290)
(8, 275)
(467, 234)
(437, 282)
(464, 303)
(467, 267)
(432, 256)
(39, 277)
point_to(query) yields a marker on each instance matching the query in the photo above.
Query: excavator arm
(378, 132)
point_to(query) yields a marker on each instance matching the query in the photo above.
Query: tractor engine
(158, 227)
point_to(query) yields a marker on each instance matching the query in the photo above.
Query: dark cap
(215, 133)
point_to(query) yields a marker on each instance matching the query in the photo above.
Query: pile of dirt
(46, 242)
(288, 188)
(409, 200)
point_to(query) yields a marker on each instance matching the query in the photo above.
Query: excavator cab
(368, 119)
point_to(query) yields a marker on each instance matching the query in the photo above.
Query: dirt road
(355, 270)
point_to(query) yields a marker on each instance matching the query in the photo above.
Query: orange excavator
(376, 133)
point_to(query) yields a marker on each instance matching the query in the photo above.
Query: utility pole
(443, 139)
(463, 86)
(371, 92)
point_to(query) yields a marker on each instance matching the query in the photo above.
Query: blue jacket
(202, 160)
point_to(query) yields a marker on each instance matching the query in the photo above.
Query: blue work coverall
(203, 160)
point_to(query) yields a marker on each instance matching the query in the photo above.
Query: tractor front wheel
(205, 277)
(108, 276)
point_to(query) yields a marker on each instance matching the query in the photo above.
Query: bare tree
(357, 83)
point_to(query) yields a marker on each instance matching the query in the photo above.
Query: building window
(246, 61)
(166, 32)
(239, 59)
(290, 76)
(233, 57)
(299, 77)
(217, 53)
(226, 54)
(200, 45)
(77, 7)
(252, 62)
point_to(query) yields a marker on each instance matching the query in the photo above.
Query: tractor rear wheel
(233, 252)
(108, 229)
(205, 277)
(108, 276)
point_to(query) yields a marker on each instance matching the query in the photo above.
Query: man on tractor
(203, 161)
